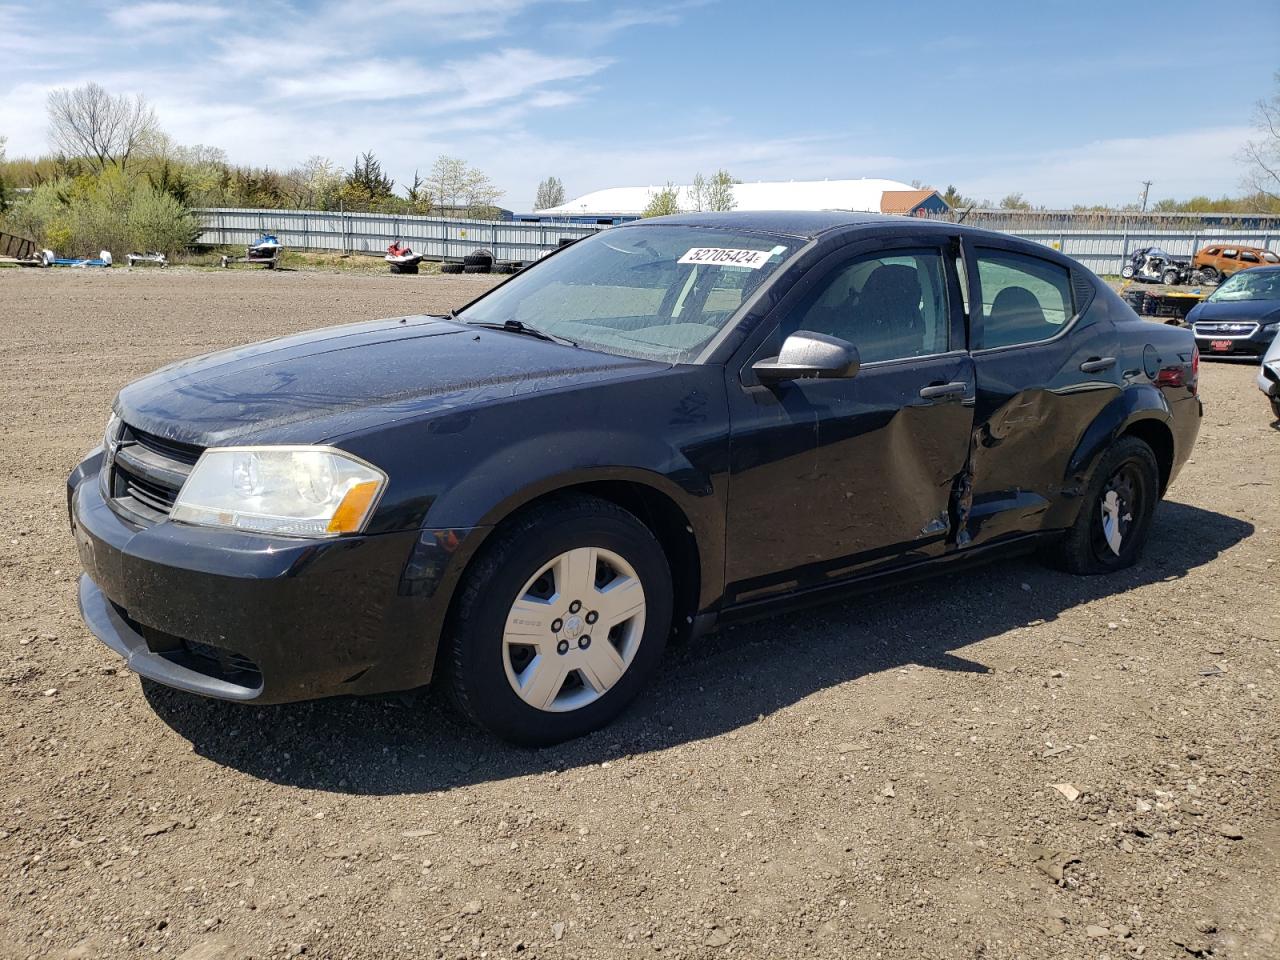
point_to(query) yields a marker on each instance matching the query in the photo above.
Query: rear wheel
(1170, 277)
(560, 622)
(1115, 517)
(1275, 407)
(1127, 271)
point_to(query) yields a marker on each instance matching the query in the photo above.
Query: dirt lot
(868, 780)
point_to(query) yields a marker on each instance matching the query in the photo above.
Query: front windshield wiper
(516, 326)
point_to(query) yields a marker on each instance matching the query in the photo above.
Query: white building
(863, 195)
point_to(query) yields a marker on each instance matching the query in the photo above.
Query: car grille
(146, 474)
(1226, 330)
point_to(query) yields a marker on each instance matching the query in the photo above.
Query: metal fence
(1105, 251)
(436, 238)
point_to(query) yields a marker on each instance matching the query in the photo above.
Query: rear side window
(1249, 258)
(1270, 257)
(1024, 299)
(1229, 253)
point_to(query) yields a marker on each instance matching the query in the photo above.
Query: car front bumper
(256, 618)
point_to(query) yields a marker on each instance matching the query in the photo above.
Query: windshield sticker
(726, 257)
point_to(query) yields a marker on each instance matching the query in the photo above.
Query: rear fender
(1135, 403)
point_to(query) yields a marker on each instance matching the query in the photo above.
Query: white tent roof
(861, 195)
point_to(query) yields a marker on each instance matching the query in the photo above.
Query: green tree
(366, 186)
(956, 200)
(550, 194)
(1014, 201)
(719, 192)
(663, 203)
(698, 192)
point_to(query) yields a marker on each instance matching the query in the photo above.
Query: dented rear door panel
(1034, 404)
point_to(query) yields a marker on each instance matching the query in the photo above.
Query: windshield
(1249, 285)
(648, 292)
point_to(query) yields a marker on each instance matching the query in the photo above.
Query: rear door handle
(955, 389)
(1097, 363)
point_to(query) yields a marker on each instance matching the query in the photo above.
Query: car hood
(1253, 310)
(317, 386)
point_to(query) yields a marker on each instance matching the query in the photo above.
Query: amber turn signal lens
(351, 512)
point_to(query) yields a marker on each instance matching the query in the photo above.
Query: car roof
(802, 224)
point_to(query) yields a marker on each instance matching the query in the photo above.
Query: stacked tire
(479, 262)
(1136, 298)
(448, 267)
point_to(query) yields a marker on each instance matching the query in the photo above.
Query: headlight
(111, 432)
(1271, 327)
(295, 491)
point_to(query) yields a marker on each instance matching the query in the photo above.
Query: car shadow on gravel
(409, 743)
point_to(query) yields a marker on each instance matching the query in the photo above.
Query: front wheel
(1275, 407)
(560, 622)
(1127, 271)
(1170, 277)
(1210, 275)
(1115, 518)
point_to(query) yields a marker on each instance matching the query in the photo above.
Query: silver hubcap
(1113, 512)
(573, 630)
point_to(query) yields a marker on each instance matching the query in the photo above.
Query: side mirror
(810, 356)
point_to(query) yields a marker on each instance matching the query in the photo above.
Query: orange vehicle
(1219, 261)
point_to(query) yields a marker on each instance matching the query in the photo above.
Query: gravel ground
(1012, 763)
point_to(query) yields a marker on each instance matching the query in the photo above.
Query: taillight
(1178, 376)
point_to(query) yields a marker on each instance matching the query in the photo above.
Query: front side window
(1230, 254)
(648, 292)
(888, 306)
(1024, 298)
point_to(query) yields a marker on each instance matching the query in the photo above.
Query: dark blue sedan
(1241, 317)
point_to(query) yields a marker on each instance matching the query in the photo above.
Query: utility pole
(1146, 188)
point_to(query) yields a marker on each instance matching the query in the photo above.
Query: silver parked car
(1269, 376)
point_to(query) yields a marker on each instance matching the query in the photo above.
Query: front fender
(494, 488)
(1139, 401)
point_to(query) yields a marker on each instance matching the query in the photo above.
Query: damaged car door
(1047, 365)
(830, 478)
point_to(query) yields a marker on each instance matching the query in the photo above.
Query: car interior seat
(1014, 312)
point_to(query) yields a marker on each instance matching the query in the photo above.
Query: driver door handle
(934, 391)
(1097, 363)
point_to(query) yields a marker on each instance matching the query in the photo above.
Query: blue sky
(1064, 103)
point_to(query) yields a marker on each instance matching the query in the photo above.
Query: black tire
(1170, 277)
(1130, 468)
(481, 258)
(450, 267)
(476, 268)
(1127, 271)
(473, 654)
(1275, 407)
(1210, 275)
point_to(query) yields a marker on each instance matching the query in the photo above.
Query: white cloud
(144, 15)
(1180, 164)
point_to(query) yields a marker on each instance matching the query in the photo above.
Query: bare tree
(457, 187)
(719, 192)
(102, 128)
(550, 194)
(1262, 156)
